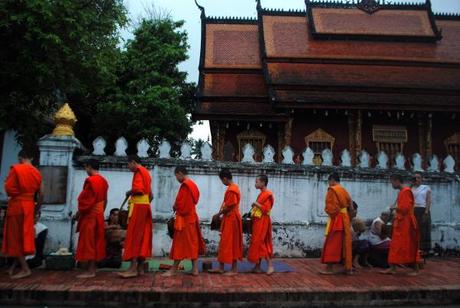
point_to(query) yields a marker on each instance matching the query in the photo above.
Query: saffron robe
(91, 226)
(21, 185)
(261, 246)
(188, 241)
(138, 242)
(337, 245)
(231, 229)
(404, 245)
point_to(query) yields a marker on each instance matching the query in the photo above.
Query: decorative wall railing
(381, 161)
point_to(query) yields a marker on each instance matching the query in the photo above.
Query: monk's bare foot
(413, 274)
(169, 274)
(357, 265)
(231, 273)
(86, 275)
(141, 271)
(256, 270)
(349, 272)
(21, 274)
(195, 273)
(10, 271)
(216, 271)
(128, 274)
(270, 270)
(389, 271)
(327, 272)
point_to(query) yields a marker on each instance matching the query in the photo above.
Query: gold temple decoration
(65, 121)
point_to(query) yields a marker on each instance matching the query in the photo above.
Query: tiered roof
(331, 55)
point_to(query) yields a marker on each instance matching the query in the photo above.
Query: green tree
(52, 51)
(152, 98)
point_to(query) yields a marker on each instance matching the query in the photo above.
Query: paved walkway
(438, 283)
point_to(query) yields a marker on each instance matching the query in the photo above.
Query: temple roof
(331, 55)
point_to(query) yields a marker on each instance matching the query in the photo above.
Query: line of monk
(24, 188)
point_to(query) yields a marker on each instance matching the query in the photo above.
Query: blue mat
(245, 266)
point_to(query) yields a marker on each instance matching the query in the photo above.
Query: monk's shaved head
(181, 169)
(225, 173)
(93, 164)
(263, 178)
(334, 176)
(25, 154)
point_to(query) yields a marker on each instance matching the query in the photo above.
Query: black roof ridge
(231, 19)
(447, 15)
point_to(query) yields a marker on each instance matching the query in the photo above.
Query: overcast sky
(187, 11)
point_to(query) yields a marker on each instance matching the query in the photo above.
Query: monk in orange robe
(404, 245)
(188, 241)
(231, 229)
(138, 242)
(91, 227)
(337, 245)
(25, 195)
(261, 246)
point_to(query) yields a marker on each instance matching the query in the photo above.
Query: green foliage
(52, 51)
(196, 147)
(151, 98)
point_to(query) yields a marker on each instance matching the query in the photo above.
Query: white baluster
(449, 164)
(364, 159)
(185, 151)
(206, 151)
(327, 157)
(120, 147)
(99, 146)
(269, 154)
(143, 147)
(434, 164)
(400, 161)
(164, 149)
(417, 162)
(345, 158)
(308, 156)
(288, 154)
(248, 154)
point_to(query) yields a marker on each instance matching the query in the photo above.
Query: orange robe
(261, 246)
(21, 185)
(404, 245)
(138, 242)
(91, 204)
(337, 246)
(187, 242)
(231, 229)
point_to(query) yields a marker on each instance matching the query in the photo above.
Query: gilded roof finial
(65, 120)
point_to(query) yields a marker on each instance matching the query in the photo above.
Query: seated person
(360, 245)
(114, 236)
(379, 240)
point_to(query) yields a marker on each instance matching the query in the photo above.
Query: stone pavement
(438, 284)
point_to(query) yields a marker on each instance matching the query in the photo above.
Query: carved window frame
(319, 136)
(246, 137)
(391, 136)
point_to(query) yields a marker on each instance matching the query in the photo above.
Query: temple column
(355, 122)
(421, 135)
(217, 135)
(351, 136)
(284, 137)
(428, 139)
